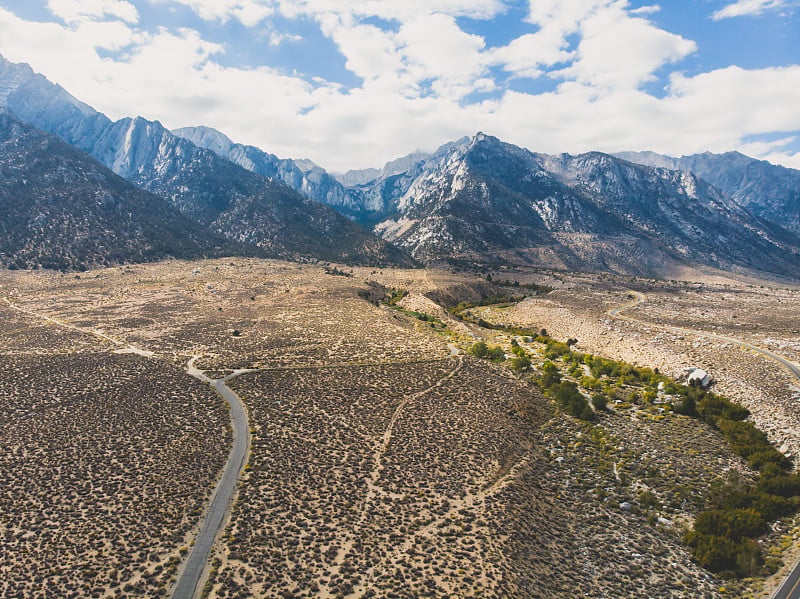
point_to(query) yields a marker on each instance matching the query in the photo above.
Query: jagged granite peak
(380, 195)
(48, 106)
(206, 137)
(229, 199)
(485, 200)
(62, 209)
(398, 166)
(769, 191)
(302, 175)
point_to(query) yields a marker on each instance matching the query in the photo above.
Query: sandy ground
(382, 465)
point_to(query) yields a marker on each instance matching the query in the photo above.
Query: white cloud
(369, 51)
(762, 148)
(646, 10)
(276, 38)
(435, 49)
(564, 17)
(427, 50)
(784, 159)
(529, 54)
(415, 77)
(74, 11)
(67, 55)
(249, 12)
(743, 8)
(617, 47)
(620, 51)
(400, 10)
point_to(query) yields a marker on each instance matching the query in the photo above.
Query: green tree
(550, 375)
(479, 349)
(599, 401)
(519, 364)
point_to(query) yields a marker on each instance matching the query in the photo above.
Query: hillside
(481, 200)
(767, 190)
(62, 209)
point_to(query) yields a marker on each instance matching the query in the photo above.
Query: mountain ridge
(214, 191)
(486, 197)
(63, 210)
(303, 176)
(475, 200)
(771, 192)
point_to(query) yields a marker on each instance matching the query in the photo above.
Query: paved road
(189, 583)
(194, 571)
(790, 589)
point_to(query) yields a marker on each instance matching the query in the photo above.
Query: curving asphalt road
(194, 571)
(790, 589)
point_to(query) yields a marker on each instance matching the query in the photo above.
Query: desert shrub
(556, 349)
(599, 401)
(733, 524)
(550, 375)
(648, 499)
(724, 556)
(519, 364)
(489, 352)
(479, 349)
(713, 407)
(572, 401)
(517, 350)
(687, 406)
(773, 481)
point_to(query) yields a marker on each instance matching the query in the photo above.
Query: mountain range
(767, 190)
(243, 206)
(473, 201)
(481, 197)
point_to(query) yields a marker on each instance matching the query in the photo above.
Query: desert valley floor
(384, 461)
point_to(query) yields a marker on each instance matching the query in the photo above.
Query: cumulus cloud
(620, 51)
(786, 159)
(415, 79)
(248, 12)
(434, 48)
(743, 8)
(529, 54)
(763, 148)
(75, 11)
(617, 46)
(393, 9)
(646, 10)
(370, 52)
(276, 38)
(56, 50)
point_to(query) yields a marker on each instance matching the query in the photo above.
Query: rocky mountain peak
(206, 137)
(769, 191)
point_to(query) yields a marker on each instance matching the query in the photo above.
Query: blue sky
(354, 83)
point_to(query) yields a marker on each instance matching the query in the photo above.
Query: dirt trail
(640, 298)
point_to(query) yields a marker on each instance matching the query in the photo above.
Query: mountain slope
(303, 176)
(219, 194)
(482, 200)
(62, 209)
(769, 191)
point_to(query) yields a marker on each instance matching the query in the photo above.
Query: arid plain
(384, 462)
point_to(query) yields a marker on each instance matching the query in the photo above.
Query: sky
(355, 83)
